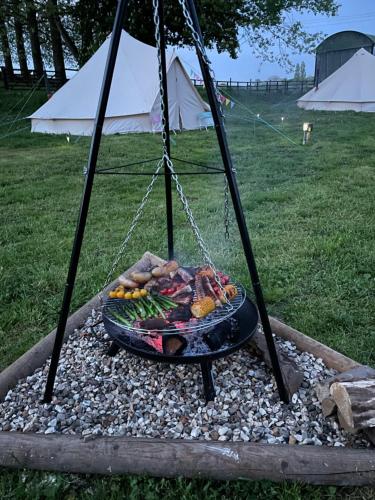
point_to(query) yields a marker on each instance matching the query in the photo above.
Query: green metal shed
(335, 50)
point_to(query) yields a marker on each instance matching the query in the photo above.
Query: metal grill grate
(193, 326)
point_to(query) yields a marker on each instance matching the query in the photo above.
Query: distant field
(310, 212)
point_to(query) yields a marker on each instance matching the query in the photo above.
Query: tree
(55, 40)
(76, 28)
(224, 24)
(18, 23)
(5, 45)
(273, 34)
(33, 30)
(297, 72)
(303, 75)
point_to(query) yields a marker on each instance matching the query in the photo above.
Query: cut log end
(356, 402)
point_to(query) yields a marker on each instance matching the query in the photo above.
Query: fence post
(45, 79)
(5, 78)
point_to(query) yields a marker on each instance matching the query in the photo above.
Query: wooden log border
(172, 458)
(175, 458)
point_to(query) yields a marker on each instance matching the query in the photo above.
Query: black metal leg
(167, 172)
(232, 182)
(113, 349)
(85, 201)
(208, 381)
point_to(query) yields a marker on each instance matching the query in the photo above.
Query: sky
(357, 15)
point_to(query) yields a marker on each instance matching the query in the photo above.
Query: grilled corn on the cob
(202, 307)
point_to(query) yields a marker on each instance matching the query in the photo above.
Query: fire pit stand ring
(244, 322)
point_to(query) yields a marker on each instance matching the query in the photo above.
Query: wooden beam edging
(173, 458)
(331, 358)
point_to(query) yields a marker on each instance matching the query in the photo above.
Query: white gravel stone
(127, 395)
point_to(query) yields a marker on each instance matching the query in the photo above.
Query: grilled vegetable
(141, 277)
(151, 311)
(130, 311)
(202, 307)
(127, 283)
(158, 272)
(171, 266)
(231, 292)
(120, 318)
(140, 309)
(165, 270)
(165, 302)
(157, 306)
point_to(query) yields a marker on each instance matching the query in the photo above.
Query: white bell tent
(350, 88)
(134, 100)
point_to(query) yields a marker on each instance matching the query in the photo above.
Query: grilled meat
(185, 274)
(185, 289)
(181, 313)
(207, 271)
(199, 289)
(154, 324)
(164, 283)
(210, 291)
(185, 298)
(153, 284)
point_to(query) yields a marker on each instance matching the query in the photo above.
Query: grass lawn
(309, 211)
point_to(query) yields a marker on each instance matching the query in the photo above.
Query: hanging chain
(201, 243)
(226, 209)
(202, 51)
(133, 225)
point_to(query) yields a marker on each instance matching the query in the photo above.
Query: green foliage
(28, 485)
(85, 24)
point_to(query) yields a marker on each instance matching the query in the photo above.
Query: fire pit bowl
(242, 323)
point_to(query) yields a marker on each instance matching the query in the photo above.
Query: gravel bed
(126, 395)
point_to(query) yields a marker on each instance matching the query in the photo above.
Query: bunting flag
(232, 104)
(227, 101)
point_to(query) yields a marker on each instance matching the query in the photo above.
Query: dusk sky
(358, 15)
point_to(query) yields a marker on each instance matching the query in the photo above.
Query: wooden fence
(51, 83)
(47, 81)
(265, 86)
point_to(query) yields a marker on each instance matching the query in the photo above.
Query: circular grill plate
(200, 325)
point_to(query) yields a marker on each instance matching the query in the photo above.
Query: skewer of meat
(209, 291)
(199, 288)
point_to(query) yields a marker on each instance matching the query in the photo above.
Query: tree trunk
(20, 44)
(32, 26)
(69, 42)
(5, 47)
(56, 44)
